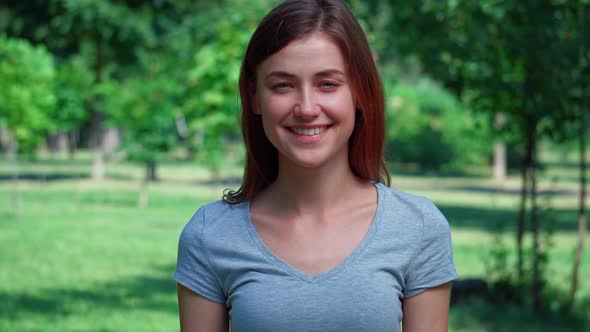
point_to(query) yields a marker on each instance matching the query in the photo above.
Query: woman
(314, 240)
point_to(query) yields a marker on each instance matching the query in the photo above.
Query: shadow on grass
(479, 305)
(46, 177)
(573, 166)
(54, 176)
(513, 192)
(478, 315)
(154, 291)
(494, 219)
(230, 182)
(410, 169)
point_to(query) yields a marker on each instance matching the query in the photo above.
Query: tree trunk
(499, 168)
(73, 137)
(143, 200)
(13, 157)
(499, 161)
(182, 127)
(536, 286)
(98, 167)
(52, 144)
(525, 176)
(62, 143)
(111, 140)
(151, 171)
(97, 136)
(582, 208)
(57, 143)
(150, 175)
(5, 139)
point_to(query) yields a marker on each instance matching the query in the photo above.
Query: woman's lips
(308, 131)
(309, 134)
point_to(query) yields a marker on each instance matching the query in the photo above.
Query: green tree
(26, 92)
(73, 90)
(107, 33)
(483, 51)
(145, 107)
(26, 98)
(575, 81)
(211, 104)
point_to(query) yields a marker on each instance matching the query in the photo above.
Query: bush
(427, 126)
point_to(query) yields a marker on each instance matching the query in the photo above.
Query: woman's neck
(301, 191)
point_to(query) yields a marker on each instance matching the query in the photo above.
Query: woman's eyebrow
(280, 74)
(330, 72)
(284, 74)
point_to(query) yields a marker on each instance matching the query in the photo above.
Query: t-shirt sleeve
(432, 264)
(193, 267)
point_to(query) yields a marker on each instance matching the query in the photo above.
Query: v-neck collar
(314, 279)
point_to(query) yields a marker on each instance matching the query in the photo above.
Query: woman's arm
(200, 314)
(427, 311)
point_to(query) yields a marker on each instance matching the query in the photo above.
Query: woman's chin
(309, 162)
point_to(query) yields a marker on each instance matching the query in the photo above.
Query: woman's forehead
(313, 53)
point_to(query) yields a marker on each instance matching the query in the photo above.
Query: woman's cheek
(278, 106)
(338, 101)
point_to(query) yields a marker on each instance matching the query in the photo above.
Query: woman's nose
(307, 107)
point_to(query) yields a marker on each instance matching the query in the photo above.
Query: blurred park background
(119, 118)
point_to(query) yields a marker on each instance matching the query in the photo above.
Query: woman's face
(304, 97)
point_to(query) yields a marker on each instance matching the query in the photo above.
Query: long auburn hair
(289, 21)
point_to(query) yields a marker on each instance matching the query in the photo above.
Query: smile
(309, 131)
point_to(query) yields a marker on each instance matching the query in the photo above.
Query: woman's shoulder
(414, 208)
(219, 208)
(417, 203)
(214, 217)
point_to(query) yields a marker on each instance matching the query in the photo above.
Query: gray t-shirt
(406, 251)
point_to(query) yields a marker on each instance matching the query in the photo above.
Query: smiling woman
(307, 107)
(314, 239)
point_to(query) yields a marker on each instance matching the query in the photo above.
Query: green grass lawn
(84, 257)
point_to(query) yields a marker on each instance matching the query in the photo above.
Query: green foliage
(106, 33)
(481, 50)
(430, 127)
(499, 268)
(548, 216)
(145, 108)
(26, 91)
(212, 104)
(73, 89)
(576, 74)
(514, 58)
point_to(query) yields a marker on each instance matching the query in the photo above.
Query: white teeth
(309, 131)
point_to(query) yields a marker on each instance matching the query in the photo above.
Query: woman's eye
(281, 86)
(328, 85)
